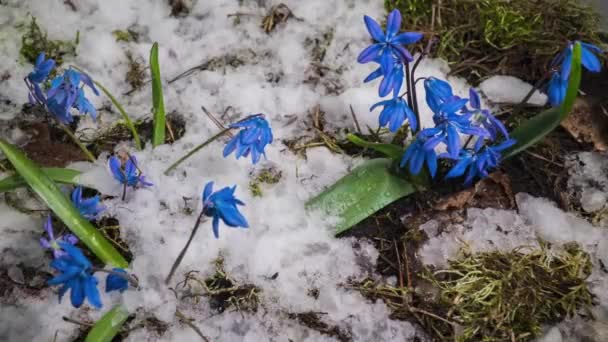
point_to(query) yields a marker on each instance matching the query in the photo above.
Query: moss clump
(488, 37)
(266, 176)
(125, 36)
(35, 40)
(223, 292)
(136, 72)
(508, 296)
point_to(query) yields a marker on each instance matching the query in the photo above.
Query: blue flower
(437, 92)
(485, 118)
(222, 205)
(52, 243)
(130, 175)
(42, 69)
(65, 93)
(388, 47)
(89, 208)
(392, 79)
(396, 111)
(115, 282)
(589, 59)
(478, 161)
(75, 275)
(449, 126)
(251, 139)
(416, 155)
(556, 90)
(558, 85)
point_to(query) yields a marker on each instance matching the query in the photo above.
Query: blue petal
(375, 74)
(417, 162)
(216, 226)
(207, 191)
(474, 99)
(407, 38)
(453, 106)
(77, 293)
(403, 53)
(431, 162)
(393, 23)
(590, 61)
(374, 29)
(69, 273)
(231, 146)
(77, 195)
(370, 53)
(91, 292)
(116, 168)
(453, 141)
(115, 282)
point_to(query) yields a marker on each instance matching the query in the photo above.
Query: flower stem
(124, 114)
(84, 149)
(132, 280)
(196, 149)
(181, 255)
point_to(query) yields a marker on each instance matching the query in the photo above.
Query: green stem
(196, 149)
(125, 117)
(181, 255)
(84, 149)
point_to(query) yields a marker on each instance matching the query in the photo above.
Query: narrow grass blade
(124, 114)
(394, 152)
(367, 189)
(536, 128)
(108, 325)
(158, 133)
(58, 175)
(50, 193)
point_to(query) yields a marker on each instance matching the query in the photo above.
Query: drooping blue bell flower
(89, 208)
(129, 174)
(394, 113)
(115, 282)
(417, 155)
(252, 139)
(478, 162)
(75, 274)
(222, 205)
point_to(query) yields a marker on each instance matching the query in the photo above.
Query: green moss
(35, 40)
(124, 36)
(266, 176)
(508, 296)
(494, 296)
(488, 37)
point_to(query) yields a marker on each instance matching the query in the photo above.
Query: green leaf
(394, 152)
(536, 128)
(158, 134)
(50, 193)
(58, 175)
(367, 189)
(124, 114)
(108, 326)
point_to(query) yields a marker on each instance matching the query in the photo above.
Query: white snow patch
(509, 89)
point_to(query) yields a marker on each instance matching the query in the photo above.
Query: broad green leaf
(367, 189)
(536, 128)
(108, 326)
(124, 114)
(58, 175)
(158, 133)
(394, 152)
(50, 193)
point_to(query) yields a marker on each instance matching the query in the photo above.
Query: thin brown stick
(187, 321)
(352, 113)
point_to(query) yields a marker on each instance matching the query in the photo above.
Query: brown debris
(277, 14)
(494, 191)
(588, 123)
(313, 321)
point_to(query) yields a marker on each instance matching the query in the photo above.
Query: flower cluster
(452, 117)
(388, 50)
(127, 173)
(65, 92)
(562, 64)
(76, 274)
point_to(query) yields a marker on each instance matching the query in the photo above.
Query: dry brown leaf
(588, 124)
